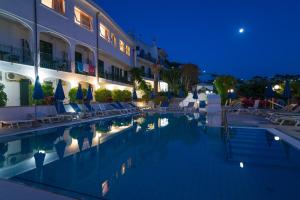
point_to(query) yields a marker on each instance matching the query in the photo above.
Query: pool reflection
(155, 153)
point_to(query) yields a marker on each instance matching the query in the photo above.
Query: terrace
(15, 47)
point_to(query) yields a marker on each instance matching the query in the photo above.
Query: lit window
(122, 46)
(57, 5)
(127, 50)
(83, 19)
(113, 39)
(104, 32)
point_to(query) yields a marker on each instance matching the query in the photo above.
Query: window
(127, 50)
(101, 68)
(104, 32)
(114, 39)
(57, 5)
(46, 51)
(122, 46)
(83, 19)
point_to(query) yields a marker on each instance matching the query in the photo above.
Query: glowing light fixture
(276, 138)
(241, 30)
(241, 165)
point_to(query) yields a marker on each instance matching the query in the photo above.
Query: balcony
(46, 61)
(16, 55)
(85, 69)
(112, 77)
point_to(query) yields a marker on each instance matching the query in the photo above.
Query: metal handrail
(225, 122)
(59, 64)
(16, 54)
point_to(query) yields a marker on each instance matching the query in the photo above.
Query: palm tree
(156, 70)
(173, 78)
(136, 76)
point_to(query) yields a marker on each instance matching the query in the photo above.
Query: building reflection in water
(128, 149)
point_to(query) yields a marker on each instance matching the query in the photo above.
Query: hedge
(103, 95)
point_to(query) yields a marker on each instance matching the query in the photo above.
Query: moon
(241, 30)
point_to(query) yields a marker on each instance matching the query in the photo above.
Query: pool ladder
(225, 122)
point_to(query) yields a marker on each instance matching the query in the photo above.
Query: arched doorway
(54, 52)
(84, 60)
(15, 40)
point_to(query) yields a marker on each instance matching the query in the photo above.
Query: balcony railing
(80, 69)
(16, 55)
(46, 61)
(121, 79)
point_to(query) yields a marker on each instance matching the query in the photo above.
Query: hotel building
(72, 40)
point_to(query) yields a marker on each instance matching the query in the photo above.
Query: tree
(173, 78)
(223, 84)
(190, 75)
(3, 96)
(156, 70)
(136, 75)
(254, 87)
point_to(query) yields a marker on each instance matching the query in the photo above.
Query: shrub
(146, 97)
(127, 95)
(3, 96)
(48, 92)
(117, 95)
(103, 95)
(72, 94)
(121, 95)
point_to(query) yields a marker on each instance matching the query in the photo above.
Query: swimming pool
(154, 157)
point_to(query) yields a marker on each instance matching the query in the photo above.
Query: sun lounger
(287, 121)
(17, 123)
(65, 111)
(81, 111)
(190, 107)
(119, 106)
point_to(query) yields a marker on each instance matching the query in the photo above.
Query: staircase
(259, 148)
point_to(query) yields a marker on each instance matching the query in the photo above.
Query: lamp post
(230, 94)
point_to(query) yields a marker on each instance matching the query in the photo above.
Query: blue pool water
(154, 157)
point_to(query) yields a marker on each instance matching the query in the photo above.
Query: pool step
(272, 147)
(275, 164)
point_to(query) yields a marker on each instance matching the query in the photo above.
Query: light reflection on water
(151, 159)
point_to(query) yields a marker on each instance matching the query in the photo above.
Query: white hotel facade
(71, 40)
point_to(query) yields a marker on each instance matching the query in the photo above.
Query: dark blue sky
(206, 32)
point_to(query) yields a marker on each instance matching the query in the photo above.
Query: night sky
(207, 32)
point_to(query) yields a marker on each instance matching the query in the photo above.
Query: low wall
(214, 110)
(24, 112)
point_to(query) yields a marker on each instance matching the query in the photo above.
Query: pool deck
(249, 120)
(12, 190)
